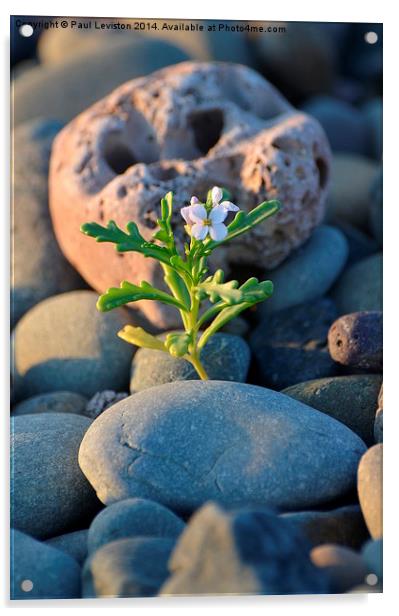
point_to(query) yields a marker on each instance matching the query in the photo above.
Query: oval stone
(49, 493)
(182, 444)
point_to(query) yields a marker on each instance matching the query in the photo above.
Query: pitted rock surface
(186, 128)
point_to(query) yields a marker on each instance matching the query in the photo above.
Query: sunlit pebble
(371, 37)
(371, 579)
(26, 30)
(27, 585)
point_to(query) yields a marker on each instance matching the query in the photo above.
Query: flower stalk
(186, 276)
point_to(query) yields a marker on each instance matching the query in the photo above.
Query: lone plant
(186, 276)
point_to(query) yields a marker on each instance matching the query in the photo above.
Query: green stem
(196, 362)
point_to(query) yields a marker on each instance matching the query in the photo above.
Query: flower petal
(217, 195)
(198, 213)
(185, 212)
(229, 206)
(199, 231)
(218, 232)
(217, 214)
(194, 200)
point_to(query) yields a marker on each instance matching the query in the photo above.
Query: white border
(298, 10)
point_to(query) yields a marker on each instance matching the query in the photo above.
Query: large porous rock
(39, 269)
(360, 286)
(356, 340)
(186, 128)
(65, 343)
(344, 526)
(187, 442)
(351, 399)
(49, 493)
(133, 517)
(134, 567)
(290, 346)
(66, 89)
(40, 571)
(369, 487)
(249, 551)
(225, 358)
(309, 272)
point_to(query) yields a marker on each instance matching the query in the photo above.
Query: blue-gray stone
(372, 555)
(342, 526)
(184, 443)
(226, 357)
(360, 244)
(39, 269)
(290, 346)
(65, 343)
(376, 209)
(74, 544)
(248, 551)
(372, 112)
(351, 399)
(309, 272)
(135, 567)
(345, 126)
(54, 402)
(133, 517)
(360, 286)
(49, 493)
(44, 572)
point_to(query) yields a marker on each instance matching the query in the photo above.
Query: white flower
(200, 222)
(217, 195)
(185, 211)
(211, 223)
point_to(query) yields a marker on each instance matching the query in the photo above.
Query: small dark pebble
(356, 340)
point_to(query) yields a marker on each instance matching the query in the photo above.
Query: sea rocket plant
(206, 303)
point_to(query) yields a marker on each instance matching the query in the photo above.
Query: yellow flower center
(207, 222)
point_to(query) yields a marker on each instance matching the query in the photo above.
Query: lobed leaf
(244, 221)
(125, 242)
(128, 292)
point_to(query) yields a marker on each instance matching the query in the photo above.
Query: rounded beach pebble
(65, 343)
(40, 571)
(49, 493)
(226, 357)
(184, 443)
(356, 340)
(133, 517)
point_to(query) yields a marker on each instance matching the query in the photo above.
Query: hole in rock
(323, 172)
(117, 154)
(164, 172)
(207, 127)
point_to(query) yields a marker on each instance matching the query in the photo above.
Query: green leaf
(141, 338)
(165, 233)
(125, 242)
(178, 344)
(244, 221)
(217, 290)
(252, 292)
(128, 292)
